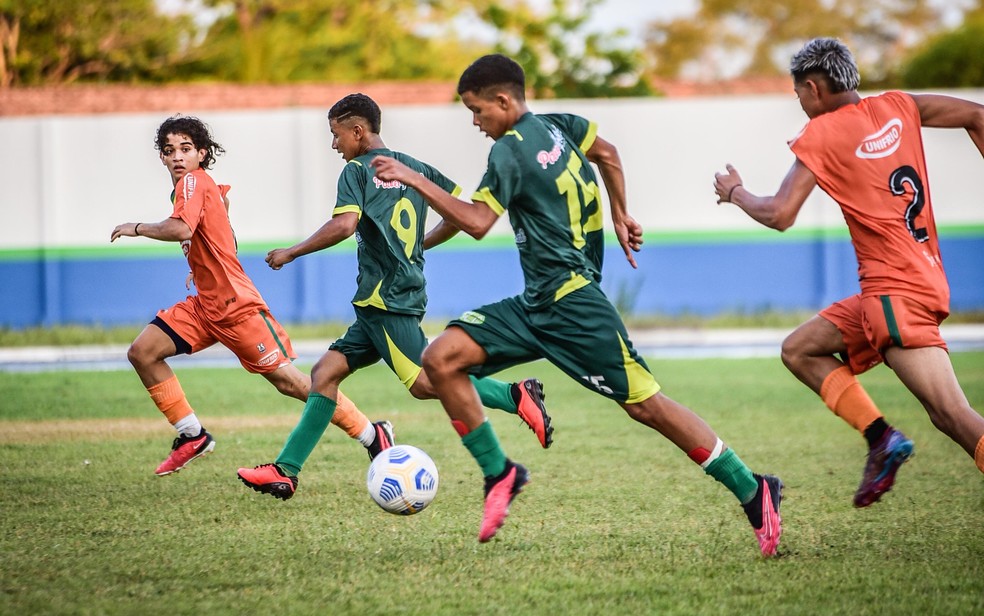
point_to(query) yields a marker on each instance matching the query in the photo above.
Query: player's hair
(357, 105)
(494, 71)
(830, 58)
(194, 128)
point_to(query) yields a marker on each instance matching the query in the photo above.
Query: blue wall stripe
(704, 278)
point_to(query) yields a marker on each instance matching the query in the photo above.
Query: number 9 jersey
(869, 158)
(390, 233)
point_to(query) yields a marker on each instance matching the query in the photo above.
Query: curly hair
(194, 128)
(832, 59)
(494, 71)
(357, 105)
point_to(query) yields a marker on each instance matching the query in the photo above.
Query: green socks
(483, 445)
(306, 434)
(732, 472)
(495, 394)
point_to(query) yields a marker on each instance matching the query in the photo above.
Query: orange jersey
(869, 158)
(225, 292)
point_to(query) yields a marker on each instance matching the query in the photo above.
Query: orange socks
(844, 395)
(979, 454)
(348, 417)
(170, 399)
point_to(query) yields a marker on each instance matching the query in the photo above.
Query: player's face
(345, 138)
(180, 156)
(490, 115)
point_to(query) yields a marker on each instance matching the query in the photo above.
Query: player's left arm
(442, 232)
(475, 219)
(939, 111)
(629, 232)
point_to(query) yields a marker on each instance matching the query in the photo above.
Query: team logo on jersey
(261, 347)
(185, 247)
(475, 318)
(546, 158)
(883, 143)
(381, 184)
(189, 187)
(520, 237)
(270, 359)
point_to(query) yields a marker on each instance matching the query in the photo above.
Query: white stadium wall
(68, 180)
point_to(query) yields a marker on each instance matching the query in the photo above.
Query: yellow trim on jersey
(484, 195)
(403, 366)
(457, 190)
(344, 209)
(514, 133)
(576, 282)
(589, 139)
(642, 385)
(373, 300)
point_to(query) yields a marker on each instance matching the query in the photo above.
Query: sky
(635, 14)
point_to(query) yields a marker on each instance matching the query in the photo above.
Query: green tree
(953, 59)
(757, 37)
(61, 41)
(562, 59)
(277, 41)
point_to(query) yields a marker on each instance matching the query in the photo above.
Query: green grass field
(615, 520)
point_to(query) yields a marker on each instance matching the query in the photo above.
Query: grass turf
(615, 519)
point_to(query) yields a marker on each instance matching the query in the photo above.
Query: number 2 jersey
(390, 232)
(226, 294)
(869, 158)
(538, 171)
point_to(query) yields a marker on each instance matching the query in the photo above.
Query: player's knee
(791, 353)
(138, 355)
(434, 360)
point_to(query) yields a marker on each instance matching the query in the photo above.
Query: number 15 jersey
(869, 158)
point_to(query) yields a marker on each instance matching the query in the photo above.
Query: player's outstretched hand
(726, 183)
(629, 233)
(128, 229)
(278, 258)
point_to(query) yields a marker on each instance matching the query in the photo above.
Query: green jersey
(539, 173)
(390, 232)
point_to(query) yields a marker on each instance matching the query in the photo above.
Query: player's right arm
(167, 230)
(776, 211)
(341, 226)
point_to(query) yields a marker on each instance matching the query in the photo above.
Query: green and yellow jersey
(390, 232)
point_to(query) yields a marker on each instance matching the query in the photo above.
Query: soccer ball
(402, 480)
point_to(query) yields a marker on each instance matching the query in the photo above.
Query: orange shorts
(259, 341)
(870, 325)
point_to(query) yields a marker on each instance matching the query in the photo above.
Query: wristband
(731, 192)
(136, 229)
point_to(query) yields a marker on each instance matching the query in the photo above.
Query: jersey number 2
(897, 182)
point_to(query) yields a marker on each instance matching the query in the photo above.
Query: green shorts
(376, 334)
(582, 334)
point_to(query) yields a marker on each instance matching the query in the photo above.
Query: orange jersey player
(867, 154)
(227, 308)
